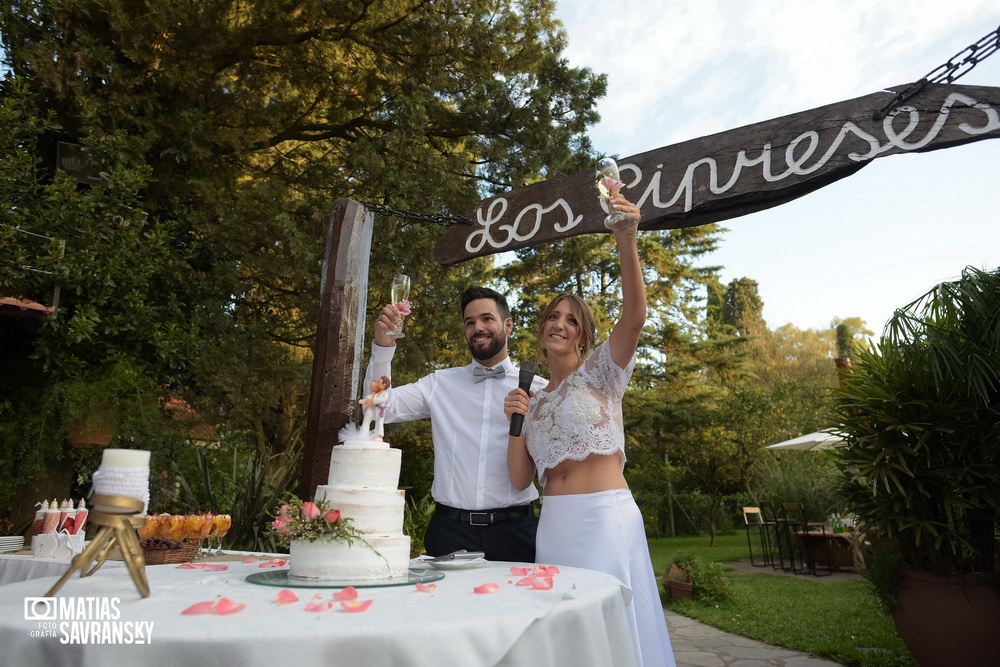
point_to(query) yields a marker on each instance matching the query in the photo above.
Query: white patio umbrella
(810, 441)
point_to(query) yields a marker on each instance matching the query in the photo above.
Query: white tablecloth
(21, 567)
(580, 622)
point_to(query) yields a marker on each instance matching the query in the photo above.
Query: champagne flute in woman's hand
(400, 297)
(609, 184)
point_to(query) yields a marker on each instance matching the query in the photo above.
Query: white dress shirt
(468, 426)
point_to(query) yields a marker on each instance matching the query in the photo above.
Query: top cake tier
(372, 467)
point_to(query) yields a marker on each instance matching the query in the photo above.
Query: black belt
(483, 517)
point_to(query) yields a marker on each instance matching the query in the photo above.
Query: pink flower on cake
(280, 525)
(355, 606)
(487, 588)
(309, 511)
(311, 521)
(349, 593)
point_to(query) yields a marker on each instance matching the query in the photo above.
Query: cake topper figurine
(374, 405)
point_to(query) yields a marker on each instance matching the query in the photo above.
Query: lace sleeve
(605, 375)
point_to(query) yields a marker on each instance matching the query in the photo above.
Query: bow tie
(480, 373)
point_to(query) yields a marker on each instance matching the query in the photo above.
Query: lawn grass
(840, 621)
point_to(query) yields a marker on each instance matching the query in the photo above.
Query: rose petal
(227, 606)
(487, 588)
(215, 567)
(426, 588)
(200, 608)
(249, 559)
(355, 606)
(527, 581)
(541, 583)
(274, 563)
(186, 566)
(518, 571)
(285, 596)
(545, 570)
(349, 593)
(318, 606)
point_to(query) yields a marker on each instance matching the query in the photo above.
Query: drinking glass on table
(400, 294)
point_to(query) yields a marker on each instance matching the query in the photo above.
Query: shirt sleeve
(605, 375)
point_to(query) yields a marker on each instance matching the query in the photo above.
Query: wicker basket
(185, 554)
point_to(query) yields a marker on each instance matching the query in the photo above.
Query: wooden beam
(733, 173)
(336, 373)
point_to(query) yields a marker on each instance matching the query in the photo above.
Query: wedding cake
(362, 484)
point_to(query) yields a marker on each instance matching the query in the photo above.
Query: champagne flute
(400, 292)
(608, 184)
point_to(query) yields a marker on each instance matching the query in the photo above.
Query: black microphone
(524, 381)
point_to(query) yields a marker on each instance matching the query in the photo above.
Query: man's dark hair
(473, 293)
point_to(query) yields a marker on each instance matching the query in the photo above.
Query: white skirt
(604, 531)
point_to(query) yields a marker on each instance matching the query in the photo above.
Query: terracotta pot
(949, 621)
(678, 590)
(678, 584)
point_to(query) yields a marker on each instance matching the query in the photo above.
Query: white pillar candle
(125, 458)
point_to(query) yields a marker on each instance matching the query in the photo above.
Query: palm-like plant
(921, 415)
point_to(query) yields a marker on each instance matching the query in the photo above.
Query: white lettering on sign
(802, 157)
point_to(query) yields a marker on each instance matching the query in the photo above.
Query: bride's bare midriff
(597, 472)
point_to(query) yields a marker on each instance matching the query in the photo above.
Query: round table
(580, 621)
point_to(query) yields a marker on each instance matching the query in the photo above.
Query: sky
(860, 247)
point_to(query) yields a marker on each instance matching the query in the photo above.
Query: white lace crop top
(582, 416)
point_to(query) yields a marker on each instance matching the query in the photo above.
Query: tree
(238, 124)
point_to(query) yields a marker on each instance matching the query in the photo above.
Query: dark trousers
(501, 538)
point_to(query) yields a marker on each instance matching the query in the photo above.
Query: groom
(476, 507)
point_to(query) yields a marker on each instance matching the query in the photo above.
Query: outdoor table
(826, 549)
(580, 621)
(21, 566)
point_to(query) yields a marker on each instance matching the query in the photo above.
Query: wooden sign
(733, 173)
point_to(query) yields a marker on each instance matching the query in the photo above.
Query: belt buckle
(487, 518)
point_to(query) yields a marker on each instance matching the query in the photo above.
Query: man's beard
(490, 351)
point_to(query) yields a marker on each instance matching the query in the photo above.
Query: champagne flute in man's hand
(400, 297)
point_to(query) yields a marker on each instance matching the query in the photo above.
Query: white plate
(457, 564)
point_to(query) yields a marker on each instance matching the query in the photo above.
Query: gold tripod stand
(117, 520)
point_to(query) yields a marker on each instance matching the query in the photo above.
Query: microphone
(524, 380)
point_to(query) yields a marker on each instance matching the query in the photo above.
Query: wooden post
(340, 335)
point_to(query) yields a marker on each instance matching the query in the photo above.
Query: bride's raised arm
(624, 336)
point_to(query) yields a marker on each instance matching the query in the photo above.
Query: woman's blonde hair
(584, 317)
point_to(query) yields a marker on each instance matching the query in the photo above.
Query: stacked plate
(11, 543)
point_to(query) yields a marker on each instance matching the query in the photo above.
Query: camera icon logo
(40, 609)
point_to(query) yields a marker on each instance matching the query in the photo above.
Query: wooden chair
(753, 519)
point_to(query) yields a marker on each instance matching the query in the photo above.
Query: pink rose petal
(215, 567)
(355, 606)
(404, 307)
(487, 588)
(541, 583)
(200, 608)
(274, 562)
(186, 566)
(426, 588)
(518, 571)
(318, 606)
(227, 606)
(249, 559)
(545, 570)
(349, 593)
(285, 596)
(527, 581)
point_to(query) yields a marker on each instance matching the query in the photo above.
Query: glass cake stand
(281, 578)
